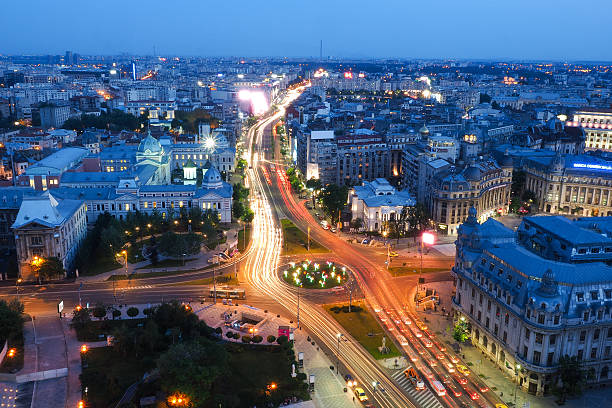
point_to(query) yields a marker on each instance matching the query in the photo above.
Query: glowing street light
(178, 400)
(84, 348)
(11, 353)
(427, 238)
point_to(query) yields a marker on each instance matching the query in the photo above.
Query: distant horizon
(521, 30)
(327, 59)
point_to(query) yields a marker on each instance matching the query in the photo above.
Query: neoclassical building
(535, 295)
(484, 185)
(571, 184)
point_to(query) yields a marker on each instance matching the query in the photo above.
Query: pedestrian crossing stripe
(136, 287)
(423, 398)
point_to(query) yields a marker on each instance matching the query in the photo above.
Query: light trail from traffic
(261, 273)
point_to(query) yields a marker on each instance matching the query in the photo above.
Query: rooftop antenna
(321, 51)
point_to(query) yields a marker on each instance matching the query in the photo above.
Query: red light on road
(428, 238)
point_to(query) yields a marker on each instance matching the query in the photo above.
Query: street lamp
(427, 238)
(385, 233)
(516, 373)
(17, 282)
(338, 336)
(124, 255)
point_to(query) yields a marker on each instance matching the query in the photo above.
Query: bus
(226, 292)
(438, 388)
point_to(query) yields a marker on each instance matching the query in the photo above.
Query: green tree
(11, 321)
(248, 216)
(461, 332)
(357, 223)
(418, 218)
(132, 311)
(80, 319)
(572, 376)
(192, 368)
(50, 268)
(334, 198)
(237, 209)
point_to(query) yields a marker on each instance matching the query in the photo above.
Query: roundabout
(314, 275)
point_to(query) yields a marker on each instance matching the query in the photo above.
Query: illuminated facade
(571, 184)
(597, 125)
(533, 296)
(484, 185)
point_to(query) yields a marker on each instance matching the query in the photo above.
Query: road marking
(424, 398)
(136, 287)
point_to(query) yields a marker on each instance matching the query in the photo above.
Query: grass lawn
(167, 263)
(413, 270)
(103, 265)
(365, 329)
(296, 241)
(241, 242)
(97, 330)
(109, 374)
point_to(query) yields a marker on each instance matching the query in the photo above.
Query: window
(479, 315)
(541, 317)
(529, 313)
(487, 322)
(525, 351)
(594, 295)
(549, 359)
(527, 334)
(585, 316)
(536, 357)
(538, 338)
(593, 353)
(488, 305)
(473, 293)
(472, 310)
(580, 354)
(36, 240)
(506, 318)
(579, 297)
(582, 336)
(552, 339)
(505, 337)
(556, 319)
(607, 351)
(610, 332)
(608, 293)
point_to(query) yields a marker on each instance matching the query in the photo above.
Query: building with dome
(535, 295)
(449, 191)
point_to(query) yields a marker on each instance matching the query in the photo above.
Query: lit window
(127, 207)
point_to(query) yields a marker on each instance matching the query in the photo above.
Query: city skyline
(482, 31)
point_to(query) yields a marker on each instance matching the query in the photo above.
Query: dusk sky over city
(305, 204)
(442, 29)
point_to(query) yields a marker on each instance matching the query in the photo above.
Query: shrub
(271, 339)
(116, 313)
(132, 312)
(246, 339)
(257, 339)
(99, 312)
(229, 334)
(282, 340)
(218, 330)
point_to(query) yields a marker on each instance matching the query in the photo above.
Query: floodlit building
(377, 202)
(534, 296)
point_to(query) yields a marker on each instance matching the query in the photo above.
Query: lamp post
(338, 336)
(385, 233)
(429, 239)
(516, 372)
(17, 282)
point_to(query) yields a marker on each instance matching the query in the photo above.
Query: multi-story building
(539, 294)
(597, 125)
(47, 227)
(47, 172)
(484, 185)
(377, 203)
(54, 114)
(570, 184)
(361, 156)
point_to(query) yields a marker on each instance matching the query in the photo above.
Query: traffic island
(295, 241)
(364, 328)
(313, 275)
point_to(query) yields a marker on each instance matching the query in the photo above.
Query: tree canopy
(113, 120)
(333, 198)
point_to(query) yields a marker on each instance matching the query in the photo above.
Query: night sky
(479, 29)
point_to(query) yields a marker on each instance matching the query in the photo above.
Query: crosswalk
(136, 287)
(424, 398)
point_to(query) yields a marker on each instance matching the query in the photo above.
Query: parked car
(360, 393)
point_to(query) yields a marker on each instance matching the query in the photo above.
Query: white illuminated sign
(592, 166)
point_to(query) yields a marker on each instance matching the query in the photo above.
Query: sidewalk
(329, 387)
(200, 262)
(497, 380)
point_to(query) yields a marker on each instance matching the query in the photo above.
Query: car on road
(483, 388)
(454, 359)
(463, 369)
(501, 406)
(338, 289)
(360, 394)
(333, 229)
(460, 379)
(350, 381)
(414, 378)
(393, 254)
(431, 362)
(473, 394)
(450, 367)
(365, 241)
(454, 390)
